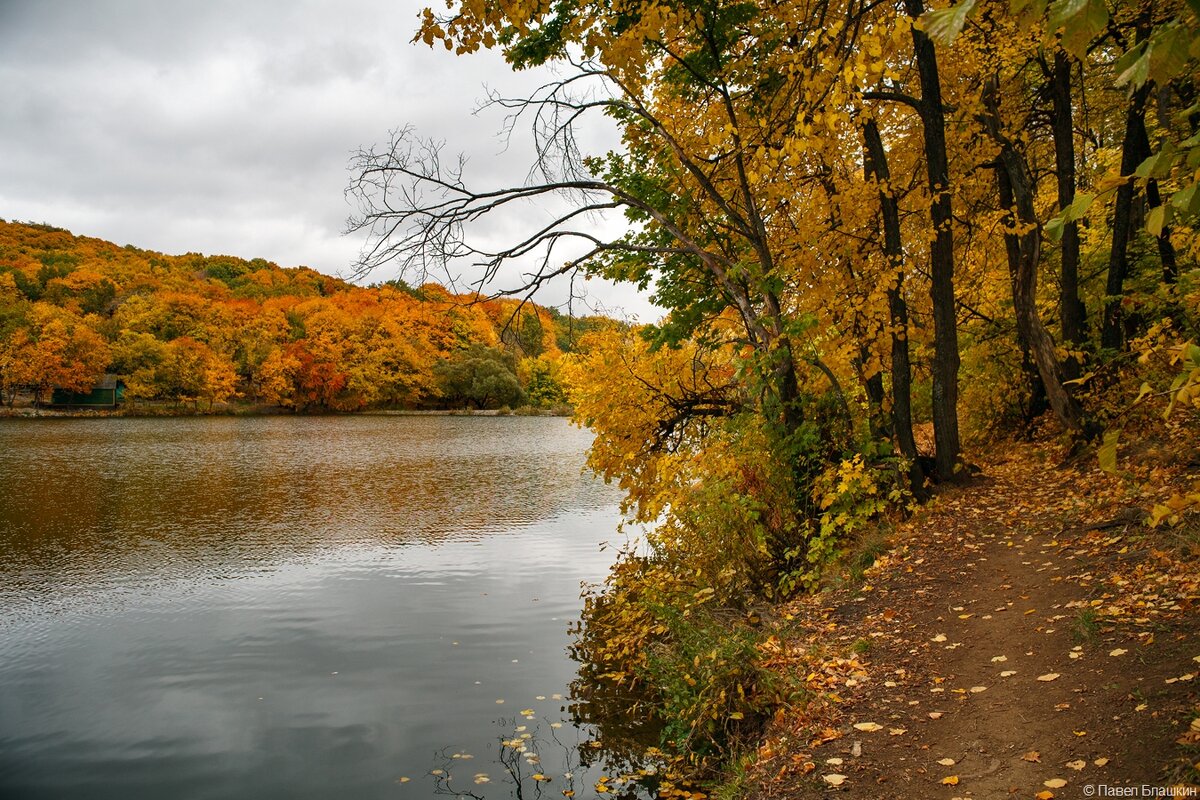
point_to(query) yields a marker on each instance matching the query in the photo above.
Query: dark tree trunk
(1012, 248)
(1072, 315)
(875, 166)
(1028, 240)
(1112, 333)
(941, 256)
(1166, 250)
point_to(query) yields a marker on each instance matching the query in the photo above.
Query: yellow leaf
(950, 780)
(1054, 783)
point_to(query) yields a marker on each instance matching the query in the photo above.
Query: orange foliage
(197, 328)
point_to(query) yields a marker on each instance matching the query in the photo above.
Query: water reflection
(285, 607)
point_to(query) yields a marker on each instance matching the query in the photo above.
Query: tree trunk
(941, 255)
(875, 167)
(1072, 314)
(1112, 333)
(1012, 249)
(1166, 250)
(1028, 240)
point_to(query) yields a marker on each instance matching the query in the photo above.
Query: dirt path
(1006, 645)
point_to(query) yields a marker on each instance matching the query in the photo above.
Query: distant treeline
(205, 329)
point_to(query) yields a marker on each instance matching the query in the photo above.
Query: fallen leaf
(1049, 676)
(1008, 673)
(869, 727)
(978, 689)
(1077, 765)
(1032, 756)
(998, 659)
(1045, 794)
(1117, 652)
(897, 731)
(1054, 783)
(950, 780)
(837, 762)
(946, 762)
(1100, 762)
(941, 637)
(834, 779)
(936, 714)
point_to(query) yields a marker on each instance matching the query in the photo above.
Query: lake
(293, 606)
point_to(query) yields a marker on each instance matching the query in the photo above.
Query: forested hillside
(201, 330)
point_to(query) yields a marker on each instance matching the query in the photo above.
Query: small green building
(108, 393)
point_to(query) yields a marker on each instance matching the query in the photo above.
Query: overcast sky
(226, 126)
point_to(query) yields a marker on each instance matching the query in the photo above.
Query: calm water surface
(290, 607)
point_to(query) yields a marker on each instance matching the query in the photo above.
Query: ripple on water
(283, 606)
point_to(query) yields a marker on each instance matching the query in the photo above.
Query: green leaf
(1107, 452)
(944, 25)
(1079, 206)
(1158, 165)
(1063, 11)
(1185, 200)
(1156, 220)
(1134, 66)
(1169, 52)
(1054, 228)
(1084, 27)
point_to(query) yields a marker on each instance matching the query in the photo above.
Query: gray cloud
(226, 127)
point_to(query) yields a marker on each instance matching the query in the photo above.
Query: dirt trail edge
(1024, 638)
